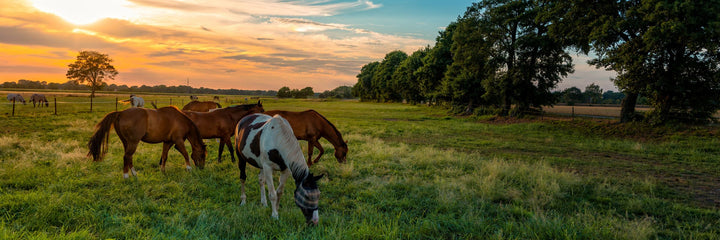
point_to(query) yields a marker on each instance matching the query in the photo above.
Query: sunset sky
(261, 44)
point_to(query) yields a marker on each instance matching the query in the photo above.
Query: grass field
(412, 173)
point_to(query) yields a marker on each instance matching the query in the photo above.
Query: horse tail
(97, 146)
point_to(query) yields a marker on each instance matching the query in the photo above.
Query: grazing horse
(221, 123)
(310, 126)
(165, 125)
(268, 143)
(14, 97)
(40, 99)
(193, 98)
(198, 106)
(135, 101)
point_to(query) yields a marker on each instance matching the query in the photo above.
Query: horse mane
(194, 130)
(287, 139)
(332, 125)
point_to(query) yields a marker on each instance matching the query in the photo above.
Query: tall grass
(412, 173)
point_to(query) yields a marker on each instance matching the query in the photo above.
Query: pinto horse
(14, 97)
(165, 125)
(310, 126)
(40, 99)
(221, 123)
(268, 143)
(198, 106)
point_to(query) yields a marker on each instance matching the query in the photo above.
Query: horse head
(341, 152)
(307, 196)
(198, 155)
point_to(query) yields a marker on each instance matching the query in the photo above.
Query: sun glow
(82, 12)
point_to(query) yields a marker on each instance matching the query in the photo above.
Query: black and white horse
(14, 97)
(268, 143)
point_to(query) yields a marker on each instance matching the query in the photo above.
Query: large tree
(435, 64)
(382, 81)
(664, 50)
(406, 79)
(364, 87)
(91, 67)
(528, 61)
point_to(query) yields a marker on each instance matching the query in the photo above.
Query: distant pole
(13, 113)
(116, 100)
(91, 98)
(55, 100)
(573, 112)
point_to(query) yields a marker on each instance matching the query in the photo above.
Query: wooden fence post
(13, 112)
(116, 100)
(91, 98)
(55, 100)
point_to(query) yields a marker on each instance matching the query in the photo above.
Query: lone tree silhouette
(91, 67)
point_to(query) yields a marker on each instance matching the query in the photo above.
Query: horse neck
(193, 134)
(293, 155)
(330, 133)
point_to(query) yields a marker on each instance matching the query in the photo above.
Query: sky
(223, 44)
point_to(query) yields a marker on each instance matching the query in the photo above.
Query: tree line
(505, 56)
(75, 85)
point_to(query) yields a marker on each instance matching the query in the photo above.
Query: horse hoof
(188, 168)
(126, 176)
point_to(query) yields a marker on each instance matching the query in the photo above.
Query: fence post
(91, 98)
(55, 100)
(116, 100)
(171, 101)
(573, 112)
(13, 113)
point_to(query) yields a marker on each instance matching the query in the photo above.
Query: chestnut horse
(221, 123)
(40, 99)
(198, 106)
(165, 125)
(268, 143)
(310, 126)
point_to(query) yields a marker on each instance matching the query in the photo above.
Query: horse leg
(220, 150)
(310, 153)
(267, 174)
(127, 159)
(281, 185)
(320, 148)
(181, 148)
(163, 157)
(241, 166)
(261, 181)
(230, 148)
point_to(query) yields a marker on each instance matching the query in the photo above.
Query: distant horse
(268, 143)
(198, 106)
(135, 101)
(310, 126)
(193, 98)
(165, 125)
(216, 98)
(40, 99)
(14, 97)
(221, 123)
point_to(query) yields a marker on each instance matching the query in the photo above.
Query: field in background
(412, 173)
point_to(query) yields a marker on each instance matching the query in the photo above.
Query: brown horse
(165, 125)
(198, 106)
(40, 99)
(310, 126)
(221, 123)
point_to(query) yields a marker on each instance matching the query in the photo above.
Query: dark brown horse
(198, 106)
(310, 126)
(40, 99)
(221, 123)
(165, 125)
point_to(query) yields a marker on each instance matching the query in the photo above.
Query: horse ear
(317, 178)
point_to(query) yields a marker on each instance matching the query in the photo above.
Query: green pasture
(413, 172)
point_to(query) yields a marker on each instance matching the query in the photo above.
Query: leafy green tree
(382, 81)
(304, 93)
(284, 92)
(91, 67)
(528, 61)
(405, 79)
(462, 85)
(664, 50)
(364, 88)
(572, 95)
(435, 64)
(593, 93)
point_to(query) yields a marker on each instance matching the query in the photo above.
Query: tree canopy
(91, 67)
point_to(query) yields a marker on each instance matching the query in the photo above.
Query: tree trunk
(627, 113)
